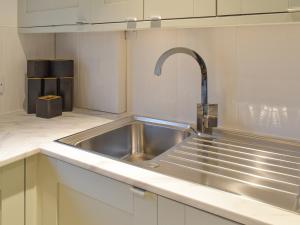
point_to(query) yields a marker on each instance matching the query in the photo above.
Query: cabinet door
(61, 194)
(12, 194)
(234, 7)
(105, 11)
(54, 12)
(170, 212)
(168, 9)
(175, 213)
(294, 5)
(197, 217)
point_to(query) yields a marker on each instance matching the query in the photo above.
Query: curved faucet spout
(197, 57)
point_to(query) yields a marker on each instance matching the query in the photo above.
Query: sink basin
(131, 139)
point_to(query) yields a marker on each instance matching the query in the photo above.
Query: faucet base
(207, 117)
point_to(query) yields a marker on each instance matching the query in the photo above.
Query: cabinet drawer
(235, 7)
(111, 192)
(170, 9)
(197, 217)
(174, 213)
(32, 13)
(106, 11)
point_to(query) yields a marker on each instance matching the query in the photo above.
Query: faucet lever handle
(207, 116)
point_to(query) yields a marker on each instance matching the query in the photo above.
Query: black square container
(49, 106)
(34, 91)
(50, 86)
(38, 68)
(66, 92)
(62, 68)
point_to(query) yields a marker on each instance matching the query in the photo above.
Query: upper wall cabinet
(235, 7)
(105, 11)
(170, 9)
(294, 5)
(34, 13)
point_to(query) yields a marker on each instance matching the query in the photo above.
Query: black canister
(62, 68)
(34, 86)
(66, 92)
(50, 86)
(38, 68)
(49, 106)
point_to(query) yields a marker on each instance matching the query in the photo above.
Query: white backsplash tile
(14, 49)
(253, 74)
(100, 74)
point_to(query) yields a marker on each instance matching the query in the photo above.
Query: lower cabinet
(174, 213)
(61, 194)
(58, 193)
(12, 194)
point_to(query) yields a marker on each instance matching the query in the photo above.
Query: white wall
(100, 68)
(13, 52)
(253, 72)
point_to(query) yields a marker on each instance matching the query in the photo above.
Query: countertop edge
(223, 204)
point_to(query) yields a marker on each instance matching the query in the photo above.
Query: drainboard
(241, 167)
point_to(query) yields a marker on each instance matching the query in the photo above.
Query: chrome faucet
(207, 114)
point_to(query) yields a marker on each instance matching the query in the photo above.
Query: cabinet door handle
(80, 23)
(131, 23)
(155, 18)
(131, 19)
(139, 192)
(296, 9)
(155, 21)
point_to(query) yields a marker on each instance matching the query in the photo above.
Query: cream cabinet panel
(105, 11)
(168, 9)
(233, 7)
(61, 194)
(34, 13)
(197, 217)
(76, 208)
(294, 5)
(174, 213)
(12, 194)
(170, 212)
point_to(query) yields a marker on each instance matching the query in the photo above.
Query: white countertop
(22, 135)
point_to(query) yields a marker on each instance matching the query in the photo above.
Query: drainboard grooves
(236, 166)
(248, 162)
(281, 198)
(239, 167)
(247, 155)
(241, 176)
(275, 152)
(268, 146)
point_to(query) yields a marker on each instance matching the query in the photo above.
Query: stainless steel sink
(131, 139)
(261, 168)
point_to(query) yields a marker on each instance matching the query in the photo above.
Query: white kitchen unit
(12, 194)
(105, 11)
(175, 213)
(168, 9)
(236, 7)
(59, 193)
(33, 13)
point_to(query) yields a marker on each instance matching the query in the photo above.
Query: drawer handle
(139, 192)
(131, 19)
(131, 23)
(291, 10)
(155, 21)
(155, 18)
(81, 22)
